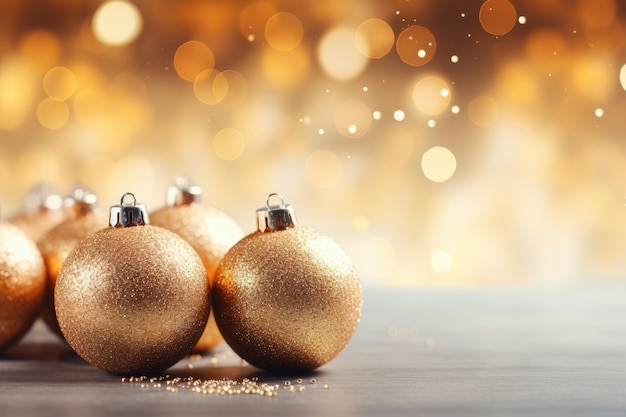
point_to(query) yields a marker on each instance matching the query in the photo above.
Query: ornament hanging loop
(269, 197)
(128, 214)
(275, 218)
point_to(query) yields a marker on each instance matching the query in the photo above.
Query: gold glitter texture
(22, 284)
(132, 299)
(211, 233)
(55, 245)
(288, 300)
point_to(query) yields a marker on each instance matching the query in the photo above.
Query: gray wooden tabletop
(431, 352)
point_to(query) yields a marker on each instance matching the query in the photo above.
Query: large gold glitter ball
(286, 298)
(22, 284)
(208, 230)
(55, 245)
(132, 299)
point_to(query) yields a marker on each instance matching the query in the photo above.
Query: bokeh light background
(439, 142)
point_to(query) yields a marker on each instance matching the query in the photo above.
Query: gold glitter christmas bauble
(286, 298)
(132, 298)
(208, 230)
(22, 284)
(83, 219)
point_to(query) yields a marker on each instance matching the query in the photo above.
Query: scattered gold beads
(225, 386)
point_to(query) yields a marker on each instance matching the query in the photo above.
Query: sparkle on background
(438, 164)
(352, 118)
(374, 38)
(416, 45)
(497, 17)
(59, 83)
(117, 22)
(191, 59)
(308, 97)
(431, 95)
(338, 54)
(284, 31)
(228, 144)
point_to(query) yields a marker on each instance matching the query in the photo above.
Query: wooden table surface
(431, 352)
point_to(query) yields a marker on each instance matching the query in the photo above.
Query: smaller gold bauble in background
(83, 218)
(22, 284)
(208, 230)
(132, 298)
(286, 298)
(41, 210)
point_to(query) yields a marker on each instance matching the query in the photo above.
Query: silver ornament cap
(128, 214)
(79, 203)
(183, 192)
(273, 218)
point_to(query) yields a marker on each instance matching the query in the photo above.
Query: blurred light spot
(374, 38)
(365, 89)
(228, 144)
(454, 59)
(483, 111)
(497, 16)
(338, 54)
(52, 114)
(208, 88)
(285, 69)
(429, 96)
(321, 131)
(440, 261)
(438, 164)
(361, 223)
(40, 48)
(191, 58)
(596, 14)
(622, 76)
(17, 93)
(234, 86)
(59, 83)
(377, 115)
(352, 118)
(322, 168)
(375, 259)
(117, 22)
(455, 109)
(522, 20)
(599, 112)
(432, 123)
(398, 115)
(253, 19)
(284, 31)
(592, 76)
(416, 45)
